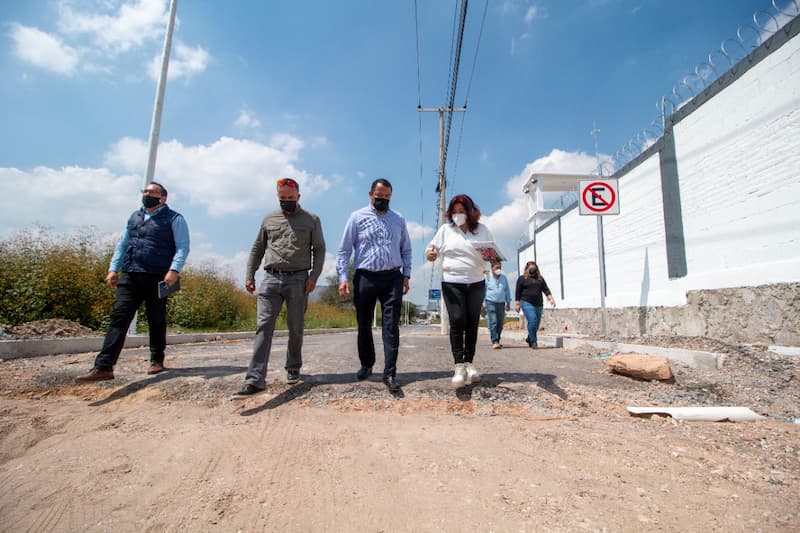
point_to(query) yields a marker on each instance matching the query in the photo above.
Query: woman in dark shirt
(530, 288)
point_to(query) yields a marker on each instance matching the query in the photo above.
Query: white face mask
(498, 272)
(459, 218)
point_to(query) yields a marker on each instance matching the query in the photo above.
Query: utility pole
(600, 245)
(155, 124)
(442, 188)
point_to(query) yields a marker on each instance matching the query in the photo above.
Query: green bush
(44, 275)
(209, 301)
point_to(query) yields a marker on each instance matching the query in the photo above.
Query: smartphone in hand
(165, 290)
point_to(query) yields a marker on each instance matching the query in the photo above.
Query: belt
(390, 271)
(276, 272)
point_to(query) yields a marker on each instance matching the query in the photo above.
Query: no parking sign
(598, 197)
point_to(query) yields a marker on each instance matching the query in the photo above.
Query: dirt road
(542, 444)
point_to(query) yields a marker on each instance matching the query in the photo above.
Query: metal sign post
(600, 197)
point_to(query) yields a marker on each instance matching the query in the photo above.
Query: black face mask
(381, 204)
(150, 201)
(288, 205)
(532, 272)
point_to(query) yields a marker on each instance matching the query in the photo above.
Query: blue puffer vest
(151, 245)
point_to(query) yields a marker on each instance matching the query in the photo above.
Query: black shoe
(247, 391)
(363, 373)
(528, 340)
(392, 383)
(292, 376)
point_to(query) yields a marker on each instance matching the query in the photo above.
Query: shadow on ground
(545, 382)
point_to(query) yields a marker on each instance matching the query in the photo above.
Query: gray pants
(274, 290)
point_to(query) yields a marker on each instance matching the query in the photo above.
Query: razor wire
(720, 61)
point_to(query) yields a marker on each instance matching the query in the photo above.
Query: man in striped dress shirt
(378, 239)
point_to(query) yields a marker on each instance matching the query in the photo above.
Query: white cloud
(418, 231)
(44, 50)
(288, 143)
(232, 267)
(508, 6)
(247, 120)
(557, 162)
(329, 268)
(130, 27)
(184, 62)
(68, 197)
(89, 36)
(530, 14)
(247, 170)
(228, 176)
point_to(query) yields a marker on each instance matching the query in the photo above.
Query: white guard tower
(540, 183)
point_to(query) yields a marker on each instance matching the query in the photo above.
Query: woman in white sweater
(463, 282)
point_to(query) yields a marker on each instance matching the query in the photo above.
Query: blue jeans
(495, 315)
(274, 290)
(533, 315)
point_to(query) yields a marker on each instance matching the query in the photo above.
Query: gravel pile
(53, 327)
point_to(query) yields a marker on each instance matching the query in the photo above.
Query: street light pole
(155, 124)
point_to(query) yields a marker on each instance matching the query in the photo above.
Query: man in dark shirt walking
(152, 249)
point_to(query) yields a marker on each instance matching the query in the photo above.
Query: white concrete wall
(739, 165)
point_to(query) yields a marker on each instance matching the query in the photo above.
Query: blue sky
(326, 93)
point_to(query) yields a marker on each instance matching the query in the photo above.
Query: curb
(692, 358)
(21, 348)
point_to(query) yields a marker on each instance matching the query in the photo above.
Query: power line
(454, 80)
(469, 86)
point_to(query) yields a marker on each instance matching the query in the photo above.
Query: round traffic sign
(598, 197)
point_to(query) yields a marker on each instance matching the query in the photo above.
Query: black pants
(134, 288)
(463, 301)
(386, 288)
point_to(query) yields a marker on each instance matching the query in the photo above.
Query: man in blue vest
(153, 248)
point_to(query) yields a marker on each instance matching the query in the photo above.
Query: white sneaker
(472, 375)
(459, 376)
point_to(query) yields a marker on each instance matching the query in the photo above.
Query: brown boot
(96, 375)
(155, 368)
